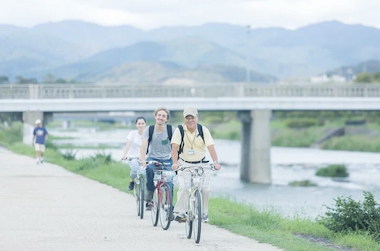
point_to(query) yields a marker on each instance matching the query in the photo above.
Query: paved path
(45, 207)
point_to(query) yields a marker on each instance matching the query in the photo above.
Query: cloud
(155, 13)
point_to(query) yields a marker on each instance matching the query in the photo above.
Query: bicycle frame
(162, 179)
(194, 204)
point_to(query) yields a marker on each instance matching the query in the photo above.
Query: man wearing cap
(40, 135)
(192, 154)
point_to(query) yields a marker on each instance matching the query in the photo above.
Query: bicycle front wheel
(189, 218)
(136, 193)
(155, 208)
(166, 212)
(141, 200)
(197, 216)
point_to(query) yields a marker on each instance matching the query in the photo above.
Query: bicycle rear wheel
(197, 216)
(141, 200)
(155, 208)
(189, 218)
(166, 212)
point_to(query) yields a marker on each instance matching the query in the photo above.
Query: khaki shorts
(39, 147)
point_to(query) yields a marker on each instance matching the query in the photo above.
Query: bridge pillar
(256, 144)
(246, 125)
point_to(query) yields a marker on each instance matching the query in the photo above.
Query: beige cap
(190, 111)
(38, 121)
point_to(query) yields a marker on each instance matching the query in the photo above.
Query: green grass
(353, 143)
(297, 138)
(101, 146)
(52, 137)
(11, 134)
(302, 183)
(226, 130)
(264, 226)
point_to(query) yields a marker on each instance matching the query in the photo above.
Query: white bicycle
(195, 177)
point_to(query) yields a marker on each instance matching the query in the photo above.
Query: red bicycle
(162, 204)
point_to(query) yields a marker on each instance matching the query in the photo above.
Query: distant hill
(91, 35)
(80, 48)
(174, 58)
(164, 73)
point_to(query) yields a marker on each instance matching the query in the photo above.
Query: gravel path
(45, 207)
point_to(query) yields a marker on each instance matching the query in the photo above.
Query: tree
(49, 79)
(376, 77)
(61, 81)
(364, 77)
(22, 80)
(4, 80)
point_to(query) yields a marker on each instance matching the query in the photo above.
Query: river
(288, 164)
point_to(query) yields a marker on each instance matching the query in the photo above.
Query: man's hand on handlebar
(217, 166)
(175, 166)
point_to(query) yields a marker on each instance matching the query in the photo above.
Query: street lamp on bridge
(248, 73)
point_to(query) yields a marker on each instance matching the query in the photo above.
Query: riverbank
(45, 207)
(264, 226)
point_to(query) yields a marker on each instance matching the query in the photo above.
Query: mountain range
(214, 51)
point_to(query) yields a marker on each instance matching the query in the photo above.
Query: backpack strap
(200, 131)
(170, 131)
(180, 150)
(151, 130)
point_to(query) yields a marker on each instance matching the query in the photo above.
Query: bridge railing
(50, 91)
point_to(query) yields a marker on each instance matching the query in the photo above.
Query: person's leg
(180, 207)
(149, 181)
(42, 150)
(134, 165)
(37, 148)
(206, 193)
(168, 166)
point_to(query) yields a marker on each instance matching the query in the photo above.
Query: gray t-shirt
(160, 146)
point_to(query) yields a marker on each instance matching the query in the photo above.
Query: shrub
(51, 145)
(69, 154)
(333, 171)
(303, 183)
(300, 123)
(12, 134)
(351, 216)
(102, 157)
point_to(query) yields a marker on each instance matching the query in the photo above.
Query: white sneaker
(205, 218)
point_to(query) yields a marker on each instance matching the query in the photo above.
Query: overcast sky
(147, 14)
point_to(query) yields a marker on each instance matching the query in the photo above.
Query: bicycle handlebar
(130, 158)
(209, 166)
(157, 163)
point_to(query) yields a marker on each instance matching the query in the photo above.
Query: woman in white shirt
(133, 149)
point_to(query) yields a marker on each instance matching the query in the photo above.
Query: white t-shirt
(135, 150)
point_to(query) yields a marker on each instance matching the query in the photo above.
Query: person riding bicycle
(191, 139)
(156, 146)
(133, 149)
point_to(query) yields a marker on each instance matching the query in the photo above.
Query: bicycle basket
(168, 176)
(157, 175)
(202, 181)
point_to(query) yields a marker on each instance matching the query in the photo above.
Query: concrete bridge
(252, 102)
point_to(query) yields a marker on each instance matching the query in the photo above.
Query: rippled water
(288, 164)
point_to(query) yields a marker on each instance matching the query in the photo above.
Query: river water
(288, 164)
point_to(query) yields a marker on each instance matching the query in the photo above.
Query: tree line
(366, 77)
(48, 79)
